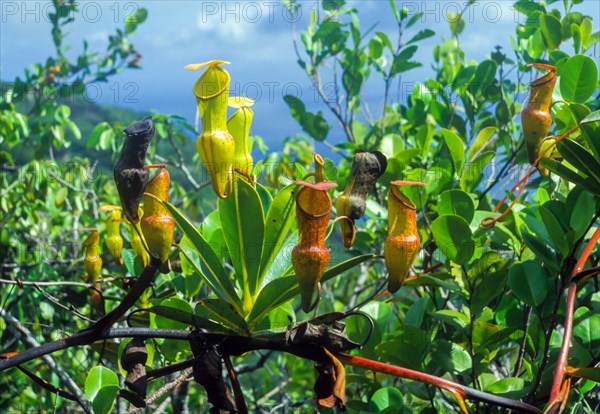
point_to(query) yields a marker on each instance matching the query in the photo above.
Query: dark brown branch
(519, 363)
(46, 385)
(169, 369)
(28, 338)
(238, 345)
(240, 402)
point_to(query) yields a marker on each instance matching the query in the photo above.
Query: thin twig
(519, 363)
(26, 337)
(57, 283)
(185, 374)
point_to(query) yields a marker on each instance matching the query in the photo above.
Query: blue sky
(256, 36)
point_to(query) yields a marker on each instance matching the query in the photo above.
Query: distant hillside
(87, 115)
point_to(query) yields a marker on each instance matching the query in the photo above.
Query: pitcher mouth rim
(398, 195)
(308, 213)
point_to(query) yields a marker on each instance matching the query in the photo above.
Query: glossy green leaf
(591, 118)
(456, 202)
(528, 282)
(283, 289)
(384, 398)
(463, 77)
(555, 231)
(101, 387)
(582, 212)
(215, 274)
(592, 374)
(571, 175)
(178, 310)
(551, 31)
(586, 328)
(242, 221)
(450, 356)
(457, 149)
(220, 282)
(423, 34)
(590, 127)
(541, 250)
(375, 48)
(385, 40)
(452, 235)
(578, 78)
(278, 223)
(314, 124)
(509, 387)
(474, 172)
(482, 140)
(485, 77)
(183, 316)
(580, 158)
(222, 313)
(265, 197)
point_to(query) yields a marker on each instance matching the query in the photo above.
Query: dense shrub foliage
(452, 233)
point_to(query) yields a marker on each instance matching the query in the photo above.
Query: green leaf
(179, 313)
(386, 397)
(385, 40)
(134, 19)
(94, 138)
(450, 357)
(104, 401)
(101, 386)
(279, 222)
(423, 34)
(314, 125)
(283, 289)
(456, 202)
(551, 31)
(592, 374)
(580, 158)
(590, 126)
(415, 18)
(457, 149)
(222, 313)
(485, 77)
(451, 316)
(375, 48)
(483, 138)
(242, 221)
(582, 211)
(474, 172)
(215, 275)
(528, 282)
(453, 237)
(578, 78)
(586, 328)
(463, 77)
(457, 23)
(185, 317)
(555, 231)
(541, 250)
(570, 175)
(593, 117)
(509, 387)
(402, 61)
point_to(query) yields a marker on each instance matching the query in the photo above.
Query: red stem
(561, 363)
(403, 372)
(459, 391)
